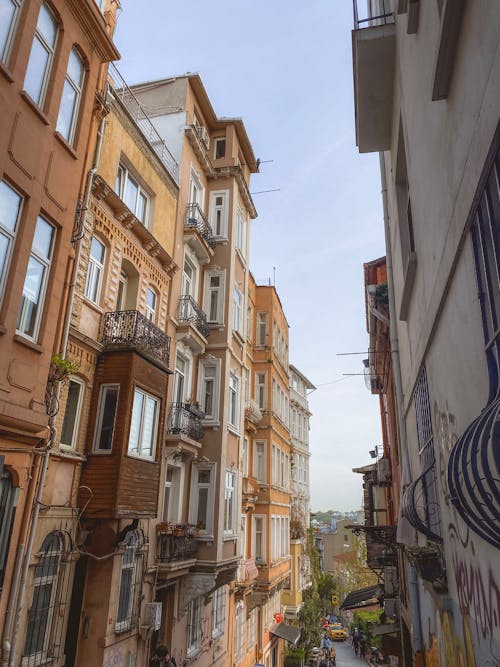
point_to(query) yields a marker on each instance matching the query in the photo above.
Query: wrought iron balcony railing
(189, 311)
(176, 543)
(130, 328)
(196, 219)
(184, 419)
(379, 12)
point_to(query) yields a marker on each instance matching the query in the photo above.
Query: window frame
(78, 90)
(154, 431)
(194, 634)
(217, 141)
(95, 266)
(11, 32)
(46, 263)
(219, 612)
(210, 417)
(261, 390)
(230, 502)
(50, 49)
(241, 232)
(129, 601)
(234, 397)
(98, 424)
(238, 303)
(11, 237)
(239, 631)
(207, 297)
(78, 413)
(261, 332)
(175, 491)
(258, 455)
(8, 503)
(151, 312)
(207, 532)
(124, 174)
(223, 218)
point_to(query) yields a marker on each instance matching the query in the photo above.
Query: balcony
(186, 420)
(198, 233)
(130, 329)
(247, 573)
(176, 543)
(193, 329)
(199, 139)
(253, 413)
(373, 52)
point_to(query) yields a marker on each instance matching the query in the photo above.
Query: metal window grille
(7, 510)
(130, 583)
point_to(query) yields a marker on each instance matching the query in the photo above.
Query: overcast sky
(285, 67)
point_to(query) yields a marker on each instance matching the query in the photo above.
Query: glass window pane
(75, 68)
(47, 26)
(31, 295)
(135, 423)
(67, 111)
(204, 476)
(97, 250)
(7, 13)
(42, 242)
(148, 427)
(71, 413)
(35, 72)
(141, 208)
(10, 204)
(109, 399)
(4, 244)
(201, 518)
(131, 191)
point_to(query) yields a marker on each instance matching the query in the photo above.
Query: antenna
(274, 276)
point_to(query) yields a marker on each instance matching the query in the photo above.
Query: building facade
(427, 99)
(53, 59)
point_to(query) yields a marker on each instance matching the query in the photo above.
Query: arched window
(8, 498)
(41, 56)
(128, 582)
(41, 617)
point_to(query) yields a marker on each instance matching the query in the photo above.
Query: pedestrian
(362, 647)
(162, 658)
(355, 643)
(332, 660)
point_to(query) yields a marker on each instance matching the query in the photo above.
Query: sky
(285, 67)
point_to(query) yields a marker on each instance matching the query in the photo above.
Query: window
(9, 13)
(252, 629)
(280, 531)
(10, 212)
(8, 502)
(172, 495)
(237, 309)
(181, 377)
(234, 401)
(260, 390)
(121, 298)
(280, 470)
(405, 221)
(41, 56)
(194, 626)
(35, 284)
(230, 502)
(214, 296)
(143, 424)
(259, 539)
(209, 389)
(71, 96)
(218, 213)
(260, 461)
(219, 147)
(41, 614)
(239, 631)
(106, 413)
(195, 189)
(95, 270)
(261, 328)
(202, 497)
(244, 457)
(218, 611)
(151, 304)
(132, 194)
(71, 421)
(101, 4)
(127, 582)
(248, 332)
(241, 231)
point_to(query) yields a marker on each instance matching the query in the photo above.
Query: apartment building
(427, 98)
(203, 475)
(300, 575)
(52, 69)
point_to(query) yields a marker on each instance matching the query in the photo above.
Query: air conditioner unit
(383, 471)
(152, 615)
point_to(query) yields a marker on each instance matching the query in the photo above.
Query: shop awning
(284, 631)
(363, 597)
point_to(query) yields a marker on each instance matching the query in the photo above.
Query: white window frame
(252, 628)
(151, 310)
(103, 389)
(262, 520)
(77, 88)
(49, 49)
(219, 612)
(122, 178)
(217, 141)
(241, 231)
(218, 213)
(261, 328)
(233, 404)
(46, 263)
(10, 33)
(244, 456)
(261, 390)
(259, 455)
(7, 233)
(194, 634)
(175, 487)
(230, 502)
(95, 273)
(139, 453)
(239, 631)
(213, 416)
(209, 290)
(237, 309)
(78, 412)
(207, 532)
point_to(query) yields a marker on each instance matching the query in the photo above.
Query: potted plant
(426, 560)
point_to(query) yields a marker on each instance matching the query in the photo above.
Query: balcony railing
(189, 311)
(130, 328)
(196, 219)
(183, 420)
(247, 572)
(379, 12)
(252, 412)
(176, 543)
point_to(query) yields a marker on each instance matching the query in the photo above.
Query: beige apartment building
(427, 99)
(53, 59)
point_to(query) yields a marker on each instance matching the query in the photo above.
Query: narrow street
(345, 655)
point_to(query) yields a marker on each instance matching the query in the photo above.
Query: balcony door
(181, 377)
(195, 190)
(172, 496)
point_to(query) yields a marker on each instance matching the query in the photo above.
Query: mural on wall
(477, 588)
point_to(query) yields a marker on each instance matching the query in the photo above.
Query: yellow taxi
(337, 632)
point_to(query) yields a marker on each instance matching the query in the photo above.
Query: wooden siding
(123, 485)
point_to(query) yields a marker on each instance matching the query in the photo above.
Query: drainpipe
(403, 443)
(9, 648)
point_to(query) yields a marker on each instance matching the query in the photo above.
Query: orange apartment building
(52, 71)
